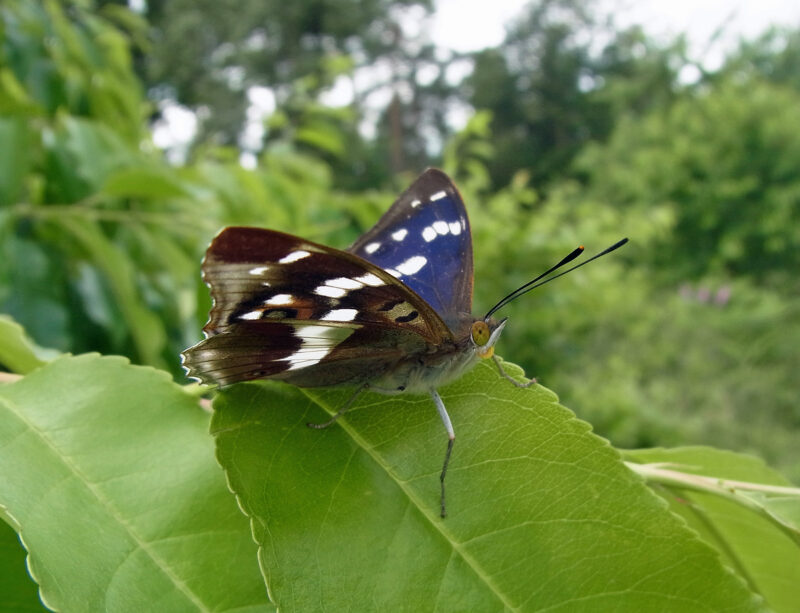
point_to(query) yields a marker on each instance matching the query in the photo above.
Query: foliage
(345, 518)
(18, 352)
(688, 335)
(296, 50)
(713, 179)
(18, 589)
(708, 487)
(684, 373)
(100, 237)
(123, 479)
(773, 56)
(724, 162)
(76, 113)
(551, 91)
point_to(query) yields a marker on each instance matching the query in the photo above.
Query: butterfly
(391, 314)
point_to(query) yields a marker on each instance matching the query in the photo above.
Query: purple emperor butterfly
(391, 314)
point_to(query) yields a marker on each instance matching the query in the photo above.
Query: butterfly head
(484, 334)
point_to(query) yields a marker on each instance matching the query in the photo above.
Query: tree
(773, 56)
(724, 162)
(551, 90)
(206, 55)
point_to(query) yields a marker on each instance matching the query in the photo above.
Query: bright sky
(469, 25)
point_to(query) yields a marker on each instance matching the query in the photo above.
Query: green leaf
(19, 592)
(15, 154)
(108, 472)
(323, 136)
(143, 324)
(542, 513)
(79, 155)
(15, 98)
(144, 182)
(783, 510)
(760, 550)
(19, 353)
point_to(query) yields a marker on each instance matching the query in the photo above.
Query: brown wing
(285, 306)
(263, 274)
(304, 353)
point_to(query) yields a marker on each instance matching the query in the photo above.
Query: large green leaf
(107, 471)
(757, 534)
(542, 513)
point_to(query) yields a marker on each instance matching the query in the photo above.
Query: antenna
(532, 284)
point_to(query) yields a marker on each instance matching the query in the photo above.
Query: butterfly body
(440, 365)
(390, 314)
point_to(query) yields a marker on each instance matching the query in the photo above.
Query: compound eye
(480, 333)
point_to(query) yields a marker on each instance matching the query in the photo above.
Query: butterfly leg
(341, 411)
(451, 437)
(509, 377)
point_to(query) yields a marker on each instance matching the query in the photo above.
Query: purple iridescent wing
(424, 241)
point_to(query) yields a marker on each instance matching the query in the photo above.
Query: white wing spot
(251, 315)
(428, 234)
(415, 203)
(372, 247)
(316, 343)
(259, 270)
(438, 196)
(294, 256)
(340, 315)
(455, 228)
(441, 227)
(412, 265)
(280, 299)
(394, 273)
(400, 234)
(344, 283)
(370, 279)
(330, 292)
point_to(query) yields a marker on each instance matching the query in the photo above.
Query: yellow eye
(480, 333)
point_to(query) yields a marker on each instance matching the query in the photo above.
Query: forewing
(424, 240)
(282, 305)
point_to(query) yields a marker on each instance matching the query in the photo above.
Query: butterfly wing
(425, 238)
(291, 309)
(304, 353)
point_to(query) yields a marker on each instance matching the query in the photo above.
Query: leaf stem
(735, 491)
(714, 485)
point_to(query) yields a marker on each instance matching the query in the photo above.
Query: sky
(471, 25)
(478, 27)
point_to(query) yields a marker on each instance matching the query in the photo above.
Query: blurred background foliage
(688, 335)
